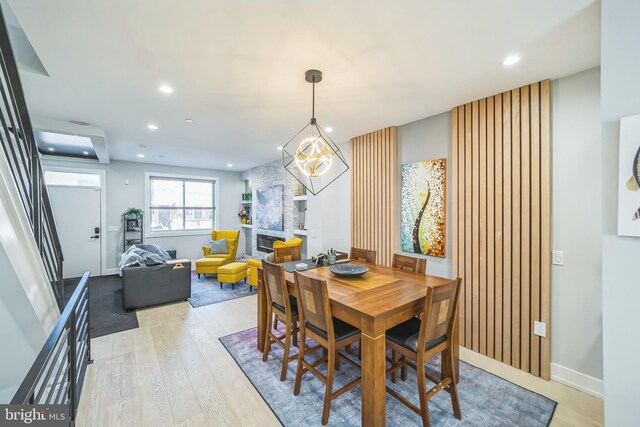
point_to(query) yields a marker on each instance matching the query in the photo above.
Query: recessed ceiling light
(279, 147)
(141, 156)
(328, 129)
(165, 89)
(52, 149)
(188, 120)
(152, 126)
(510, 60)
(229, 165)
(86, 153)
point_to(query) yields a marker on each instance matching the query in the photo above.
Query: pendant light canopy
(311, 156)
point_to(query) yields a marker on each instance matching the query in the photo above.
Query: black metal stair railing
(20, 148)
(57, 375)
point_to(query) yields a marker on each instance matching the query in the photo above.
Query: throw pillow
(219, 247)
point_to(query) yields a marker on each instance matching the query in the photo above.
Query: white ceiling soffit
(237, 67)
(26, 57)
(70, 145)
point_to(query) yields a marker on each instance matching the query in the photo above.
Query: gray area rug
(206, 290)
(485, 399)
(107, 313)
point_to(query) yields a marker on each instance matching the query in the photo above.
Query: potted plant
(133, 213)
(331, 256)
(243, 214)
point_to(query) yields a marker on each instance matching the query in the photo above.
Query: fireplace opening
(264, 242)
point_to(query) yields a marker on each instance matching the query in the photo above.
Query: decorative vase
(244, 220)
(331, 259)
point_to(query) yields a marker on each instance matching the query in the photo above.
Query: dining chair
(330, 333)
(287, 254)
(364, 255)
(285, 308)
(415, 265)
(421, 339)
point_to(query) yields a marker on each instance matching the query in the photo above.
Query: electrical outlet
(540, 329)
(558, 258)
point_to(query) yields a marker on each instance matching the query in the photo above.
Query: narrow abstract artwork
(269, 208)
(629, 177)
(423, 207)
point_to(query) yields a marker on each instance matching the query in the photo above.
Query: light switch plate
(558, 258)
(540, 329)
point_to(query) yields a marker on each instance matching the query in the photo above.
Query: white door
(77, 214)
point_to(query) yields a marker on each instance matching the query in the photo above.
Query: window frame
(149, 233)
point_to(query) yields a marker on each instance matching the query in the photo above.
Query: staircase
(32, 301)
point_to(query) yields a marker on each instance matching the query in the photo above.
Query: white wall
(576, 307)
(21, 332)
(121, 196)
(620, 82)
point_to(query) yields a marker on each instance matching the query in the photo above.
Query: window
(180, 204)
(71, 179)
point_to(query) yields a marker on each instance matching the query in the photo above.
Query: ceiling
(237, 67)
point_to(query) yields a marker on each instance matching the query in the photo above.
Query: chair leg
(394, 362)
(299, 372)
(285, 357)
(422, 391)
(329, 390)
(198, 276)
(403, 370)
(453, 387)
(267, 341)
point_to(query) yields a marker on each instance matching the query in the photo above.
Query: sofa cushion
(219, 247)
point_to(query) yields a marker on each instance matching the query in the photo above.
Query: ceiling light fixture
(510, 60)
(165, 89)
(86, 153)
(328, 129)
(279, 147)
(141, 156)
(311, 156)
(229, 165)
(52, 149)
(188, 120)
(152, 126)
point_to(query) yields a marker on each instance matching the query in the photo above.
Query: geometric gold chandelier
(311, 156)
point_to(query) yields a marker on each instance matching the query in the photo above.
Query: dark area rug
(485, 399)
(206, 290)
(107, 314)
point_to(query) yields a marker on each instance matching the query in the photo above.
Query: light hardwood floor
(173, 371)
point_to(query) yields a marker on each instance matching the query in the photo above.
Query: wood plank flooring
(173, 371)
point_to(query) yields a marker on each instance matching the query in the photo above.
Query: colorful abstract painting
(629, 177)
(269, 208)
(423, 207)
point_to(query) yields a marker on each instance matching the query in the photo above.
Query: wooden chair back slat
(290, 253)
(364, 255)
(438, 317)
(313, 299)
(415, 265)
(274, 281)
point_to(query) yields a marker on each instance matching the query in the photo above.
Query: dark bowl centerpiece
(348, 270)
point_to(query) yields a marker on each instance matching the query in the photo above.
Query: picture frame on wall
(133, 224)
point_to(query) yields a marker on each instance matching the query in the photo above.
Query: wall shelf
(246, 202)
(300, 232)
(299, 198)
(246, 225)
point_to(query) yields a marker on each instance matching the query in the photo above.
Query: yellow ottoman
(209, 265)
(233, 273)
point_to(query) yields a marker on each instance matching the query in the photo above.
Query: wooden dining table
(380, 299)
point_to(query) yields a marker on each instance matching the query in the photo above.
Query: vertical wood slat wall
(502, 225)
(374, 193)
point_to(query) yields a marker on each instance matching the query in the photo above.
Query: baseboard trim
(110, 271)
(577, 380)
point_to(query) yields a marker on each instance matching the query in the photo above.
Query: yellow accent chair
(211, 262)
(254, 264)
